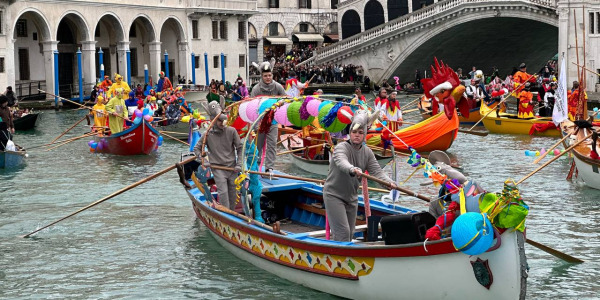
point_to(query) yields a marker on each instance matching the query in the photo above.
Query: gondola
(26, 122)
(138, 139)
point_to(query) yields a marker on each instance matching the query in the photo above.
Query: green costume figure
(116, 107)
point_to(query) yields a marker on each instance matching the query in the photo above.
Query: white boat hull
(588, 173)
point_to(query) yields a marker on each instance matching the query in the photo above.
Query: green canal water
(147, 243)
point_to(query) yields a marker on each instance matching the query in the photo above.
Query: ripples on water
(146, 243)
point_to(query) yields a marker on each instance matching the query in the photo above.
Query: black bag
(406, 228)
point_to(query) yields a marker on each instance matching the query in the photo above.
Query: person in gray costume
(268, 87)
(340, 192)
(225, 150)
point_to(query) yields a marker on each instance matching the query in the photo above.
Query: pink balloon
(252, 110)
(242, 112)
(281, 115)
(313, 107)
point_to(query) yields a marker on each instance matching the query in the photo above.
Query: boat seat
(318, 233)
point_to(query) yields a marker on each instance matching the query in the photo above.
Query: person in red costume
(106, 84)
(521, 77)
(573, 100)
(526, 102)
(445, 91)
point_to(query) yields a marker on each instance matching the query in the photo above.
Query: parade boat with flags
(299, 251)
(511, 124)
(140, 138)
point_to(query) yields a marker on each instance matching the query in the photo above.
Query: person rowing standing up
(6, 114)
(350, 160)
(117, 112)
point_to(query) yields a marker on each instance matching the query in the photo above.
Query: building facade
(41, 41)
(280, 24)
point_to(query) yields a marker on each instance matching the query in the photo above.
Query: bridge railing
(406, 20)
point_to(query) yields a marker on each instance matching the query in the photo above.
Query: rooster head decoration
(445, 87)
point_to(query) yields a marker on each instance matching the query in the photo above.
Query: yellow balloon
(185, 119)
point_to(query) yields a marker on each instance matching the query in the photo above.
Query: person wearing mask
(117, 112)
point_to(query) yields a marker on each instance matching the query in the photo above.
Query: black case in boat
(406, 228)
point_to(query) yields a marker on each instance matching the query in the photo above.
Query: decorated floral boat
(435, 133)
(140, 138)
(361, 269)
(511, 124)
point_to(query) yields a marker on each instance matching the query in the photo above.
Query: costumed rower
(526, 102)
(99, 110)
(223, 145)
(116, 107)
(164, 83)
(293, 87)
(573, 100)
(392, 112)
(119, 83)
(266, 86)
(105, 84)
(340, 192)
(519, 79)
(381, 98)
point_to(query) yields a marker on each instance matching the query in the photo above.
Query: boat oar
(72, 140)
(174, 138)
(553, 159)
(301, 149)
(289, 137)
(125, 189)
(561, 255)
(476, 132)
(58, 137)
(387, 184)
(537, 160)
(81, 105)
(501, 101)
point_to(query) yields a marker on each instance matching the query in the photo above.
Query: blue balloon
(323, 104)
(159, 143)
(146, 111)
(94, 145)
(90, 143)
(472, 233)
(160, 138)
(266, 104)
(527, 152)
(595, 109)
(137, 120)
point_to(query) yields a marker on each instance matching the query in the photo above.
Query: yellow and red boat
(474, 113)
(498, 122)
(435, 133)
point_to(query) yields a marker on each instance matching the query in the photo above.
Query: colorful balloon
(252, 110)
(281, 115)
(313, 107)
(137, 120)
(345, 114)
(242, 112)
(146, 111)
(267, 103)
(336, 126)
(293, 115)
(138, 113)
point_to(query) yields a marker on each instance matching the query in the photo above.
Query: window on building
(2, 65)
(592, 25)
(598, 22)
(303, 27)
(21, 28)
(334, 3)
(134, 61)
(597, 71)
(194, 29)
(24, 64)
(132, 31)
(1, 21)
(304, 4)
(273, 3)
(273, 29)
(197, 61)
(215, 30)
(224, 61)
(216, 61)
(242, 61)
(241, 30)
(223, 30)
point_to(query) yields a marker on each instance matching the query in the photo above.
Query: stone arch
(441, 41)
(114, 26)
(39, 21)
(271, 31)
(173, 42)
(374, 14)
(252, 33)
(109, 32)
(77, 23)
(397, 8)
(141, 33)
(350, 24)
(71, 31)
(331, 28)
(173, 23)
(310, 28)
(146, 23)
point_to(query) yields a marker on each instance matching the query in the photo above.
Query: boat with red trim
(138, 139)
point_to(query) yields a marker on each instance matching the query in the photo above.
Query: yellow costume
(99, 111)
(116, 105)
(119, 83)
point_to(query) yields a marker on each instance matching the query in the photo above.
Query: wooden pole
(71, 140)
(478, 133)
(174, 138)
(127, 188)
(81, 105)
(301, 149)
(387, 184)
(552, 160)
(586, 69)
(561, 255)
(77, 123)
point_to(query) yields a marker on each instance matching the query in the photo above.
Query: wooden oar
(410, 110)
(127, 188)
(387, 184)
(71, 140)
(502, 101)
(477, 132)
(81, 105)
(174, 138)
(77, 123)
(288, 137)
(537, 160)
(561, 255)
(553, 159)
(301, 149)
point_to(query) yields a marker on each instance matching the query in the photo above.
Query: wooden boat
(180, 130)
(474, 113)
(434, 133)
(319, 166)
(511, 124)
(359, 269)
(11, 159)
(588, 169)
(26, 122)
(137, 139)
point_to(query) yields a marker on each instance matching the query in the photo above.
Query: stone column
(88, 50)
(49, 48)
(155, 57)
(122, 48)
(182, 63)
(410, 7)
(10, 60)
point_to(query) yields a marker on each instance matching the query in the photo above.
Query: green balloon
(336, 126)
(293, 114)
